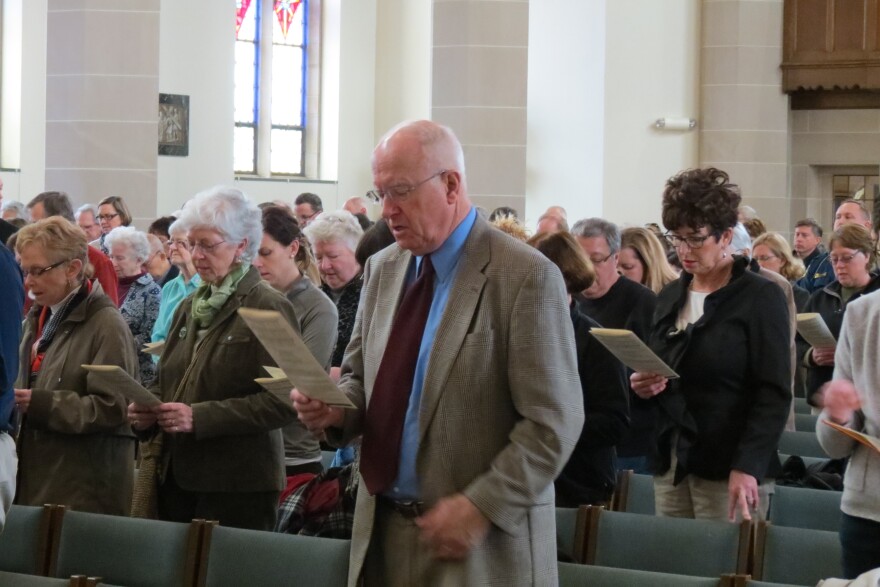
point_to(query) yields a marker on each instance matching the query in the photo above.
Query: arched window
(271, 75)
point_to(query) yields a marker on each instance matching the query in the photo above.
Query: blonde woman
(75, 446)
(772, 252)
(643, 259)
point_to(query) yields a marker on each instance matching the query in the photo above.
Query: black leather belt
(407, 509)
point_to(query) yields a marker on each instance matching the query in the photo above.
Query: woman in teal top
(186, 282)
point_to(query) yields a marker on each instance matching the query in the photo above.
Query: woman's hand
(23, 399)
(175, 417)
(141, 417)
(840, 400)
(824, 357)
(742, 495)
(647, 385)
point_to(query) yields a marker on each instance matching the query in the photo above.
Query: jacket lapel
(464, 297)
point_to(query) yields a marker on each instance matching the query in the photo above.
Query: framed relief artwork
(174, 125)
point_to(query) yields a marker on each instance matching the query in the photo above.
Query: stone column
(102, 90)
(479, 82)
(744, 122)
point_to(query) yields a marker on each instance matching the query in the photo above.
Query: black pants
(860, 542)
(253, 510)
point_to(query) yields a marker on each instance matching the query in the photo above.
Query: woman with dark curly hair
(725, 330)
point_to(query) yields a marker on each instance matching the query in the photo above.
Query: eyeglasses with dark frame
(399, 193)
(602, 260)
(694, 241)
(40, 271)
(101, 217)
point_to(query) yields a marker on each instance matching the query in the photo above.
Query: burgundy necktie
(383, 425)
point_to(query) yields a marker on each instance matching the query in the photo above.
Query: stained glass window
(270, 86)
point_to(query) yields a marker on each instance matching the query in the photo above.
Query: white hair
(741, 243)
(19, 208)
(228, 211)
(86, 208)
(339, 226)
(133, 238)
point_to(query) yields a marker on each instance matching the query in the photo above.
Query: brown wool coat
(75, 446)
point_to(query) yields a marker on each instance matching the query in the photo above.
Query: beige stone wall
(102, 86)
(744, 126)
(826, 143)
(479, 81)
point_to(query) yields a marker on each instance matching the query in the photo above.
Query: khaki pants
(700, 498)
(396, 557)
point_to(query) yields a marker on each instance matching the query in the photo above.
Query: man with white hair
(87, 219)
(463, 370)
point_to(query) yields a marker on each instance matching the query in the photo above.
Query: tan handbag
(145, 498)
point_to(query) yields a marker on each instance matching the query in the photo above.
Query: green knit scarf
(209, 298)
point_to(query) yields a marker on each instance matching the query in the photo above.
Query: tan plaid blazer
(501, 405)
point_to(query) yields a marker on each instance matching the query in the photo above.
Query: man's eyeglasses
(694, 241)
(399, 193)
(599, 261)
(205, 248)
(102, 217)
(39, 271)
(842, 259)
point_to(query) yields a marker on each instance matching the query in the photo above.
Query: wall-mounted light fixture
(670, 123)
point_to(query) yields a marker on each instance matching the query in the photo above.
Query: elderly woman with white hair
(139, 295)
(334, 237)
(215, 448)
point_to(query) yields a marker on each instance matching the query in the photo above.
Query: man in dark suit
(494, 406)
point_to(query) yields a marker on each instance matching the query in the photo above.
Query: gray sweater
(317, 321)
(856, 360)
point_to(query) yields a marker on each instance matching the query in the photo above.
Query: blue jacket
(819, 271)
(11, 308)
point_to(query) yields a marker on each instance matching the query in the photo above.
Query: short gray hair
(131, 237)
(228, 211)
(19, 208)
(178, 226)
(90, 208)
(591, 227)
(339, 226)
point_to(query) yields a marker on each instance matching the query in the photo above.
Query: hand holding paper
(632, 352)
(114, 378)
(814, 330)
(293, 357)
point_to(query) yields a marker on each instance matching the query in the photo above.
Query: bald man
(458, 489)
(356, 205)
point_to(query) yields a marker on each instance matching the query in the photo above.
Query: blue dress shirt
(445, 260)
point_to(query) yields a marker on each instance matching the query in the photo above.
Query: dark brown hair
(280, 224)
(565, 252)
(701, 197)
